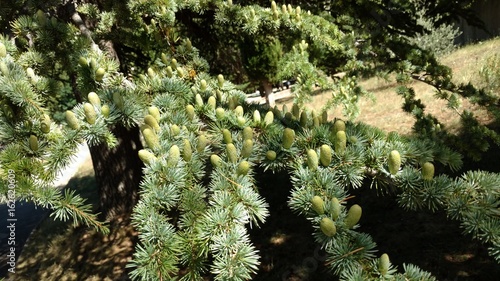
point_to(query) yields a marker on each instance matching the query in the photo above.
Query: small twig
(348, 198)
(346, 255)
(230, 180)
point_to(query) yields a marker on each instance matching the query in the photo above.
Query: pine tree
(176, 147)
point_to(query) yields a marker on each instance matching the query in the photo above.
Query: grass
(383, 109)
(56, 251)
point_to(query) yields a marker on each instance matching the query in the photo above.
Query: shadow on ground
(287, 249)
(58, 251)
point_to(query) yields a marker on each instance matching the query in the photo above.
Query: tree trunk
(118, 172)
(268, 91)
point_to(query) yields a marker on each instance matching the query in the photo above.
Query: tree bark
(268, 92)
(118, 172)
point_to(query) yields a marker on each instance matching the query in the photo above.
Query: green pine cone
(146, 156)
(314, 114)
(271, 155)
(212, 102)
(273, 6)
(144, 126)
(118, 100)
(296, 111)
(82, 61)
(353, 216)
(316, 122)
(155, 112)
(276, 15)
(187, 151)
(33, 142)
(151, 138)
(324, 117)
(203, 85)
(246, 150)
(152, 122)
(93, 63)
(31, 73)
(243, 168)
(232, 154)
(325, 155)
(219, 113)
(428, 171)
(384, 264)
(202, 143)
(269, 118)
(180, 72)
(238, 111)
(218, 94)
(215, 160)
(174, 155)
(164, 58)
(94, 99)
(72, 120)
(175, 130)
(41, 18)
(394, 162)
(4, 69)
(105, 110)
(256, 116)
(198, 100)
(99, 74)
(339, 125)
(241, 121)
(284, 109)
(90, 114)
(288, 138)
(288, 116)
(304, 120)
(327, 226)
(335, 208)
(3, 50)
(226, 136)
(190, 111)
(278, 113)
(151, 72)
(312, 159)
(231, 103)
(340, 142)
(247, 133)
(45, 124)
(318, 205)
(220, 80)
(170, 71)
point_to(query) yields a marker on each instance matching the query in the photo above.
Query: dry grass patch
(383, 109)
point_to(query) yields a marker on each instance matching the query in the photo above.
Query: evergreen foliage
(203, 143)
(437, 37)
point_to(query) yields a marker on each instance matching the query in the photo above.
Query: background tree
(133, 67)
(261, 58)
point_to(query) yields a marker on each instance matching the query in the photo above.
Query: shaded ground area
(28, 216)
(76, 254)
(428, 240)
(288, 251)
(57, 251)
